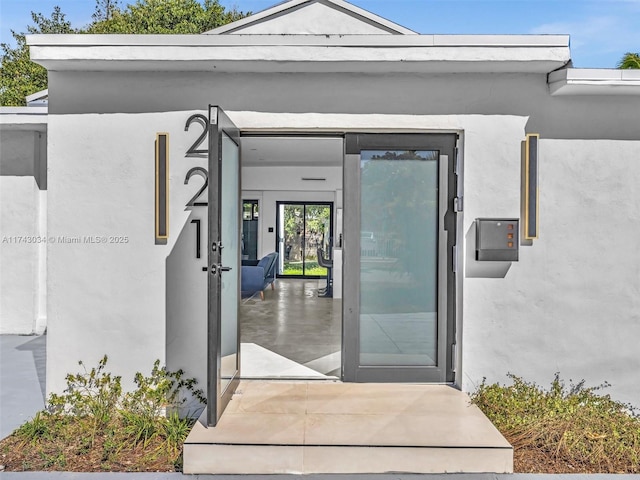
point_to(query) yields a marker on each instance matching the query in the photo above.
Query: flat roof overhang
(585, 81)
(23, 118)
(303, 53)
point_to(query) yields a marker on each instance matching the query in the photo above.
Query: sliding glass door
(304, 230)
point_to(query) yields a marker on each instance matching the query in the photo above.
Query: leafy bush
(98, 427)
(574, 424)
(94, 394)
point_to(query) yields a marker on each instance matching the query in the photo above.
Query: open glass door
(399, 233)
(224, 263)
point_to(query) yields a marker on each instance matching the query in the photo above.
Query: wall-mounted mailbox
(497, 239)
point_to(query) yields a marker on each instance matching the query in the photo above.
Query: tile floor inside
(292, 332)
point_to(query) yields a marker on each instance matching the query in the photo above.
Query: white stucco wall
(111, 298)
(568, 305)
(527, 95)
(572, 302)
(22, 231)
(20, 247)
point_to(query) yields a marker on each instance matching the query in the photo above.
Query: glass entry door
(399, 230)
(304, 229)
(224, 251)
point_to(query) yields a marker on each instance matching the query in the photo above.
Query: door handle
(217, 268)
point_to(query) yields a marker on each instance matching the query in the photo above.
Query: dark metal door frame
(352, 371)
(217, 396)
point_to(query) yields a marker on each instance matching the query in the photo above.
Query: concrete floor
(294, 322)
(22, 379)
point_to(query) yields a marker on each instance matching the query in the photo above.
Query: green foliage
(630, 60)
(572, 423)
(155, 394)
(160, 390)
(311, 268)
(139, 428)
(162, 17)
(317, 220)
(95, 394)
(96, 418)
(35, 429)
(56, 460)
(20, 77)
(176, 430)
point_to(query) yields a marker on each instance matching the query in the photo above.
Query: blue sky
(601, 30)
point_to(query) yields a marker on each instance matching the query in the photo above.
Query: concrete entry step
(309, 427)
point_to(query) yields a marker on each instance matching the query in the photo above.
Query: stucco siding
(22, 230)
(572, 303)
(390, 94)
(110, 298)
(19, 254)
(569, 304)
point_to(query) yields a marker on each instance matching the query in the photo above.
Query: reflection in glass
(399, 257)
(230, 224)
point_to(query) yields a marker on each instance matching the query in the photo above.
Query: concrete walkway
(22, 393)
(22, 379)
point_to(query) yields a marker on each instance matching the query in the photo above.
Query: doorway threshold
(261, 363)
(307, 427)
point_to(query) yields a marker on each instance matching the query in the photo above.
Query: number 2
(202, 172)
(193, 150)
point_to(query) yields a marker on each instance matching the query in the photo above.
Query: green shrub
(35, 429)
(95, 394)
(573, 423)
(94, 418)
(162, 390)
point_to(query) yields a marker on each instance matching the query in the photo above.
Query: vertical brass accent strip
(162, 186)
(531, 210)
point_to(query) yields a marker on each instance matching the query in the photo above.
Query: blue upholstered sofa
(256, 279)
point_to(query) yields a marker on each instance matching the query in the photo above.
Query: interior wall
(273, 184)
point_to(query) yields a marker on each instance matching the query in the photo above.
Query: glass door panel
(223, 254)
(398, 278)
(399, 257)
(317, 222)
(303, 228)
(229, 226)
(293, 239)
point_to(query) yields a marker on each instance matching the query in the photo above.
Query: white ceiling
(291, 151)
